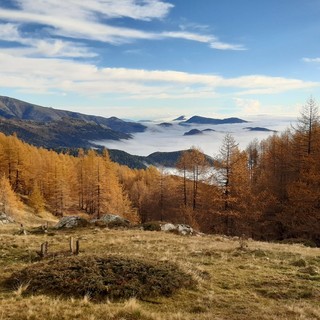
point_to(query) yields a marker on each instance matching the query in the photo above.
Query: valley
(172, 138)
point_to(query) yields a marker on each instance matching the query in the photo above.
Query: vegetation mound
(110, 277)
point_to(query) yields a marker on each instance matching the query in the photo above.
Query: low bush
(152, 226)
(110, 277)
(118, 224)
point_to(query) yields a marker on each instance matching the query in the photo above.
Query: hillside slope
(166, 159)
(53, 128)
(62, 133)
(11, 108)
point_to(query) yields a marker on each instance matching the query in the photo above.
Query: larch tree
(9, 201)
(193, 165)
(36, 200)
(308, 126)
(225, 163)
(303, 210)
(183, 166)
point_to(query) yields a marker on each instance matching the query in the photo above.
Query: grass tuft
(21, 289)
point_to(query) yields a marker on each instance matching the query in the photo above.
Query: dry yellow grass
(264, 281)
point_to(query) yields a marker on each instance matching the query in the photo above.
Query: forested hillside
(269, 191)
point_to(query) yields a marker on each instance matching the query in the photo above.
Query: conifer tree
(36, 200)
(9, 201)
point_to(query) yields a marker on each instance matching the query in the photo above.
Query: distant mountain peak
(193, 132)
(259, 129)
(204, 120)
(181, 118)
(165, 124)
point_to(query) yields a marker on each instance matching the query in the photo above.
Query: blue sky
(155, 58)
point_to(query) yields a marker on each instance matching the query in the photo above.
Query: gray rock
(168, 227)
(182, 229)
(111, 221)
(71, 222)
(5, 219)
(112, 218)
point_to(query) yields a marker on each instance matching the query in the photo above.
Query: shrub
(118, 224)
(299, 263)
(110, 277)
(152, 226)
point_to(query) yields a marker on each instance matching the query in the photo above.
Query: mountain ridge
(205, 120)
(55, 128)
(157, 159)
(11, 108)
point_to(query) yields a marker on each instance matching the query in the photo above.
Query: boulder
(5, 219)
(113, 217)
(111, 221)
(168, 227)
(71, 222)
(182, 229)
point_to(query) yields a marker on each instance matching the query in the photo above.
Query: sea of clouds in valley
(165, 139)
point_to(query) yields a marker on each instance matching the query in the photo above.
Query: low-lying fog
(165, 139)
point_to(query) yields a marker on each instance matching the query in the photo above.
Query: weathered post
(77, 247)
(71, 244)
(44, 249)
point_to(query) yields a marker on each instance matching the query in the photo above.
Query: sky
(154, 59)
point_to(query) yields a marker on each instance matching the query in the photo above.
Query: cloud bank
(49, 75)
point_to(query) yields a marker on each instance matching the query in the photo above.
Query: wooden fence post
(71, 244)
(44, 249)
(77, 247)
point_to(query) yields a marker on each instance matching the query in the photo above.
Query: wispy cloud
(41, 47)
(88, 10)
(315, 60)
(93, 20)
(212, 41)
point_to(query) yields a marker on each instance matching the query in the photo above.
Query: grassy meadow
(234, 279)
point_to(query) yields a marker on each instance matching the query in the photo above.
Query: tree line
(270, 190)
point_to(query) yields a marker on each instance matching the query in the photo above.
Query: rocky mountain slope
(53, 128)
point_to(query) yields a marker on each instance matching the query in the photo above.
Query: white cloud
(260, 84)
(41, 47)
(9, 32)
(213, 41)
(91, 20)
(76, 28)
(315, 60)
(226, 46)
(248, 106)
(135, 9)
(166, 140)
(52, 75)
